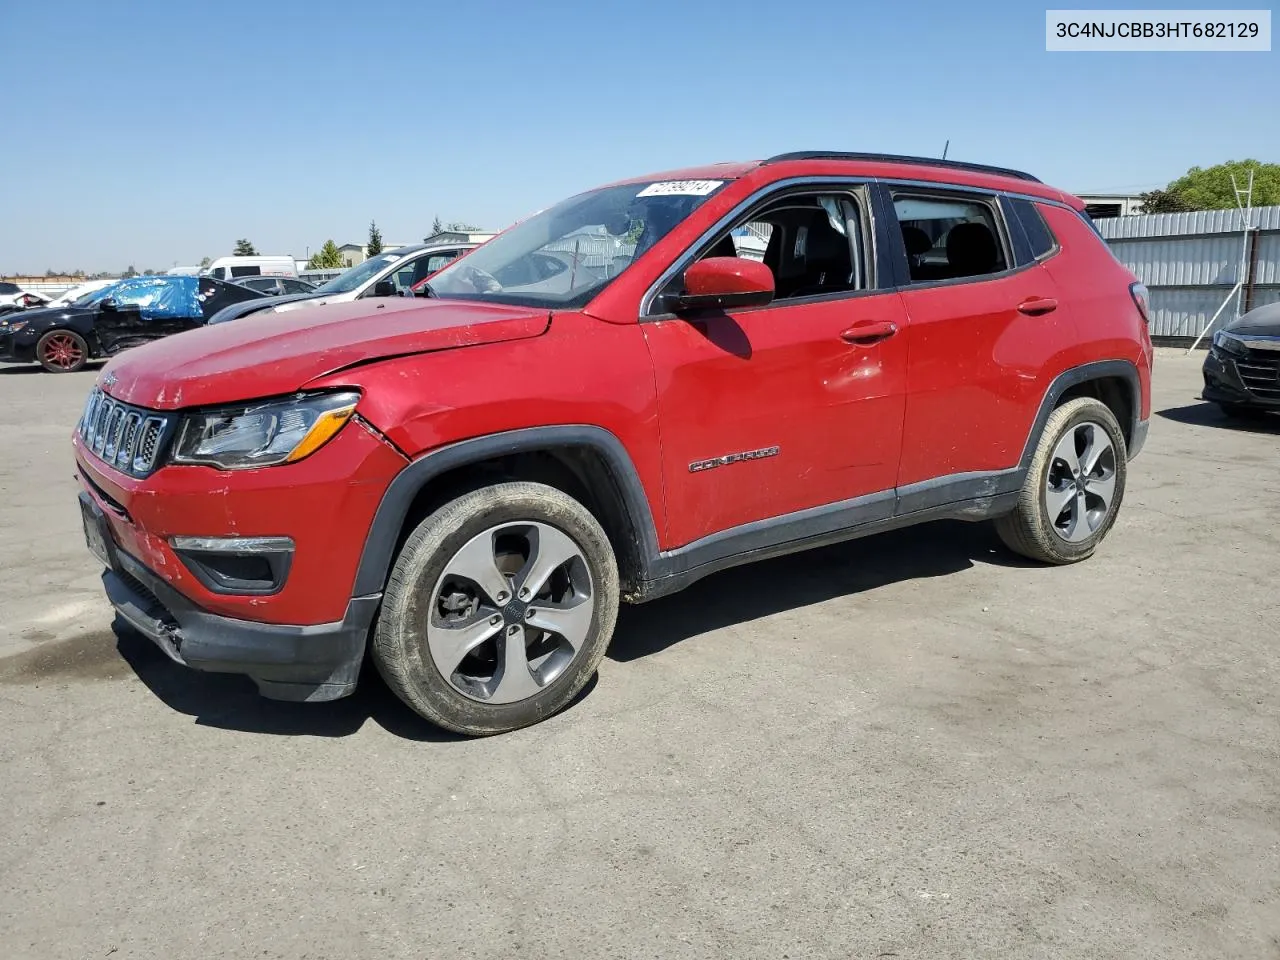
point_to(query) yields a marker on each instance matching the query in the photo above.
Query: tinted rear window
(1038, 233)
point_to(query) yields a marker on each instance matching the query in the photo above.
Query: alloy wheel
(61, 350)
(1080, 485)
(510, 612)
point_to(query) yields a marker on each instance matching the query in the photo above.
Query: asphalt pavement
(911, 746)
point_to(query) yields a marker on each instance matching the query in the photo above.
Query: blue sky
(155, 133)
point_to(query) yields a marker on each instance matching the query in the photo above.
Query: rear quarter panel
(1095, 285)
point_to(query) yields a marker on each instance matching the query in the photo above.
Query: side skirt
(971, 497)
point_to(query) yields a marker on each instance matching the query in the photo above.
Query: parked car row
(109, 319)
(101, 318)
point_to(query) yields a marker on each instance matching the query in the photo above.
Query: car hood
(1262, 322)
(42, 314)
(280, 353)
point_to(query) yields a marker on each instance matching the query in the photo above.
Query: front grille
(128, 438)
(1260, 373)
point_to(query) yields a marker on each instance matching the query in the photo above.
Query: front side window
(565, 255)
(814, 243)
(947, 238)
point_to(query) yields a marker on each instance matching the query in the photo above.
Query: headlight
(1229, 343)
(263, 434)
(14, 327)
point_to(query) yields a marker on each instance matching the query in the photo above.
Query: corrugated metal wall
(1190, 262)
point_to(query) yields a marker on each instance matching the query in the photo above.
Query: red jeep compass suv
(637, 387)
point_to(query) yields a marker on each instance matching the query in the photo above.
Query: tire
(62, 351)
(432, 609)
(1236, 411)
(1072, 533)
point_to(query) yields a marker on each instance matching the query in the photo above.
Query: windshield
(351, 279)
(565, 255)
(93, 296)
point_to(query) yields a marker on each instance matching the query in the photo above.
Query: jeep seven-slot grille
(1260, 372)
(126, 437)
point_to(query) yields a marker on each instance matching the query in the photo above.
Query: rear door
(985, 319)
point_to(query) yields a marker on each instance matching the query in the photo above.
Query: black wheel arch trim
(1096, 370)
(388, 521)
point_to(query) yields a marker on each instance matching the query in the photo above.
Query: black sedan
(1242, 370)
(123, 315)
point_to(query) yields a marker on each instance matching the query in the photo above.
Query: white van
(229, 268)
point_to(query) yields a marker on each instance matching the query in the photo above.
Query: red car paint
(861, 394)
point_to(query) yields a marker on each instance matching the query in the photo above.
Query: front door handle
(1037, 306)
(869, 331)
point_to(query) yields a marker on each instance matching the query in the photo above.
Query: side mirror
(719, 283)
(109, 305)
(384, 288)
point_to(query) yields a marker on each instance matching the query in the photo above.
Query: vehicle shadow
(1207, 414)
(800, 579)
(232, 702)
(745, 593)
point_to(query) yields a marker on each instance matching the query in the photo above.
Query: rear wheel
(499, 609)
(62, 351)
(1073, 490)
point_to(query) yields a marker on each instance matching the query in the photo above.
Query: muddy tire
(1074, 487)
(499, 608)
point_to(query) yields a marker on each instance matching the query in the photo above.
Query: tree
(245, 249)
(453, 226)
(1210, 188)
(328, 257)
(375, 240)
(1163, 201)
(204, 262)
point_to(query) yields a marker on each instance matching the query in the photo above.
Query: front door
(772, 410)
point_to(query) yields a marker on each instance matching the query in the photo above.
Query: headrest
(916, 241)
(971, 249)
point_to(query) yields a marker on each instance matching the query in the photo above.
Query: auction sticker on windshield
(680, 188)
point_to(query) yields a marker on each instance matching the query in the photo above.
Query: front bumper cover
(13, 352)
(1223, 384)
(317, 662)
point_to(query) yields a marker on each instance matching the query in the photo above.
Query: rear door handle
(869, 331)
(1037, 306)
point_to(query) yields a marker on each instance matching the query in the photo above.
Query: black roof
(895, 158)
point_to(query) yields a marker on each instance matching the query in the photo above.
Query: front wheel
(499, 609)
(1073, 490)
(62, 351)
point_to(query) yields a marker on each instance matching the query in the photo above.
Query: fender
(380, 544)
(1135, 430)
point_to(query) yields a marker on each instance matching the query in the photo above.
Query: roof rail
(894, 158)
